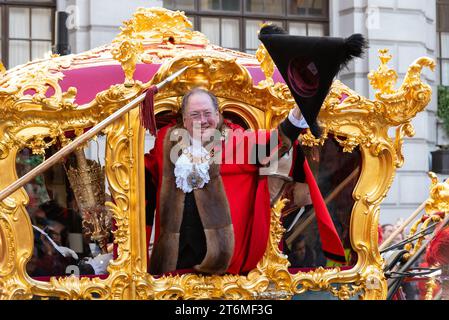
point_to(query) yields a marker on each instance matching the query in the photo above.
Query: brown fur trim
(165, 253)
(220, 248)
(212, 203)
(171, 207)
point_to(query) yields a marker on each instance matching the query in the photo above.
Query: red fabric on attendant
(379, 234)
(330, 241)
(438, 249)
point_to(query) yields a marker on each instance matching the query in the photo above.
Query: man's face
(388, 230)
(299, 249)
(302, 194)
(200, 117)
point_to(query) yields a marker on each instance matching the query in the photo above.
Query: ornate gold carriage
(47, 103)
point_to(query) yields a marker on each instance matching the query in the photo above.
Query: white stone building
(408, 28)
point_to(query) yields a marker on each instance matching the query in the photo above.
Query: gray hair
(185, 99)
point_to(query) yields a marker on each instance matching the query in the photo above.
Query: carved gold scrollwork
(431, 284)
(128, 52)
(152, 25)
(7, 244)
(118, 177)
(274, 263)
(30, 86)
(165, 25)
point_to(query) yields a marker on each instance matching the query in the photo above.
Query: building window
(443, 40)
(27, 30)
(234, 24)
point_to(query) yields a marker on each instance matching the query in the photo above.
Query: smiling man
(212, 211)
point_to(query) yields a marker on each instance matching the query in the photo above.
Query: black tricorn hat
(309, 65)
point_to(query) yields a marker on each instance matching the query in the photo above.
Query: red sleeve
(153, 167)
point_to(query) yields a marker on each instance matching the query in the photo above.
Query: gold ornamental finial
(266, 64)
(383, 79)
(438, 196)
(384, 56)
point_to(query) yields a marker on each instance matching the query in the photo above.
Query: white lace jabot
(191, 174)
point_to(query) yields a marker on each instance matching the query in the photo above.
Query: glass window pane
(169, 4)
(443, 14)
(35, 1)
(186, 4)
(19, 52)
(1, 34)
(307, 7)
(445, 73)
(264, 6)
(297, 29)
(251, 29)
(19, 22)
(445, 45)
(41, 23)
(230, 5)
(39, 49)
(211, 28)
(316, 29)
(179, 4)
(230, 33)
(210, 5)
(192, 21)
(317, 8)
(223, 5)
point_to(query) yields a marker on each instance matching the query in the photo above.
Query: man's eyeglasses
(199, 115)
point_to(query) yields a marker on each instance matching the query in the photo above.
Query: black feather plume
(355, 47)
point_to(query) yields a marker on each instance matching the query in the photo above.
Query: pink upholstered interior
(90, 81)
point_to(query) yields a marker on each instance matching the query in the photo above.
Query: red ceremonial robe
(247, 194)
(248, 197)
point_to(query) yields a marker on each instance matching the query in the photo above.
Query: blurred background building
(408, 28)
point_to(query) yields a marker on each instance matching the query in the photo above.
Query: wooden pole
(297, 231)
